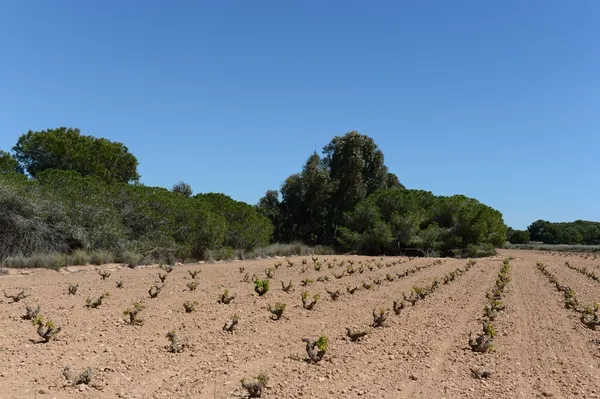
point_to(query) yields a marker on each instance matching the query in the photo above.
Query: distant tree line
(572, 233)
(348, 198)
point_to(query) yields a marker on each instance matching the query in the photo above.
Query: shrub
(80, 258)
(92, 304)
(132, 313)
(104, 274)
(291, 249)
(155, 290)
(49, 333)
(166, 268)
(255, 386)
(306, 282)
(277, 310)
(334, 294)
(356, 335)
(45, 261)
(316, 349)
(483, 341)
(192, 285)
(175, 346)
(73, 289)
(102, 257)
(76, 379)
(131, 259)
(225, 298)
(231, 325)
(309, 305)
(261, 287)
(190, 306)
(30, 313)
(379, 317)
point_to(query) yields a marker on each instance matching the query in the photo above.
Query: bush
(130, 258)
(45, 261)
(80, 258)
(101, 257)
(518, 236)
(225, 253)
(279, 249)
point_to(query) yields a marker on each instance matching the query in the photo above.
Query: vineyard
(521, 324)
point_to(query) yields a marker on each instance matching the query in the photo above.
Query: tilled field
(541, 349)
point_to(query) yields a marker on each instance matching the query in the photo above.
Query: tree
(245, 228)
(518, 236)
(356, 169)
(306, 204)
(392, 181)
(182, 188)
(270, 207)
(67, 149)
(9, 164)
(391, 221)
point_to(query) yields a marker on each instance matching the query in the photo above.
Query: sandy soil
(542, 350)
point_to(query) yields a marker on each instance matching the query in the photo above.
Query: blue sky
(499, 101)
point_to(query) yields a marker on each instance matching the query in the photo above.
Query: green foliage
(518, 236)
(182, 188)
(62, 211)
(261, 287)
(80, 257)
(27, 225)
(391, 221)
(132, 313)
(349, 198)
(245, 227)
(323, 343)
(9, 164)
(66, 149)
(101, 257)
(573, 233)
(277, 310)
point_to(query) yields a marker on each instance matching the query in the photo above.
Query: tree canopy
(64, 211)
(518, 236)
(182, 188)
(350, 199)
(80, 196)
(9, 164)
(67, 149)
(572, 233)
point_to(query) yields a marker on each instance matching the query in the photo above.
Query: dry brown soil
(542, 350)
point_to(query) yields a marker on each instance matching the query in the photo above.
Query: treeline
(63, 192)
(579, 232)
(90, 205)
(61, 211)
(349, 199)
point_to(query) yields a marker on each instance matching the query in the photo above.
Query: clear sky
(499, 101)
